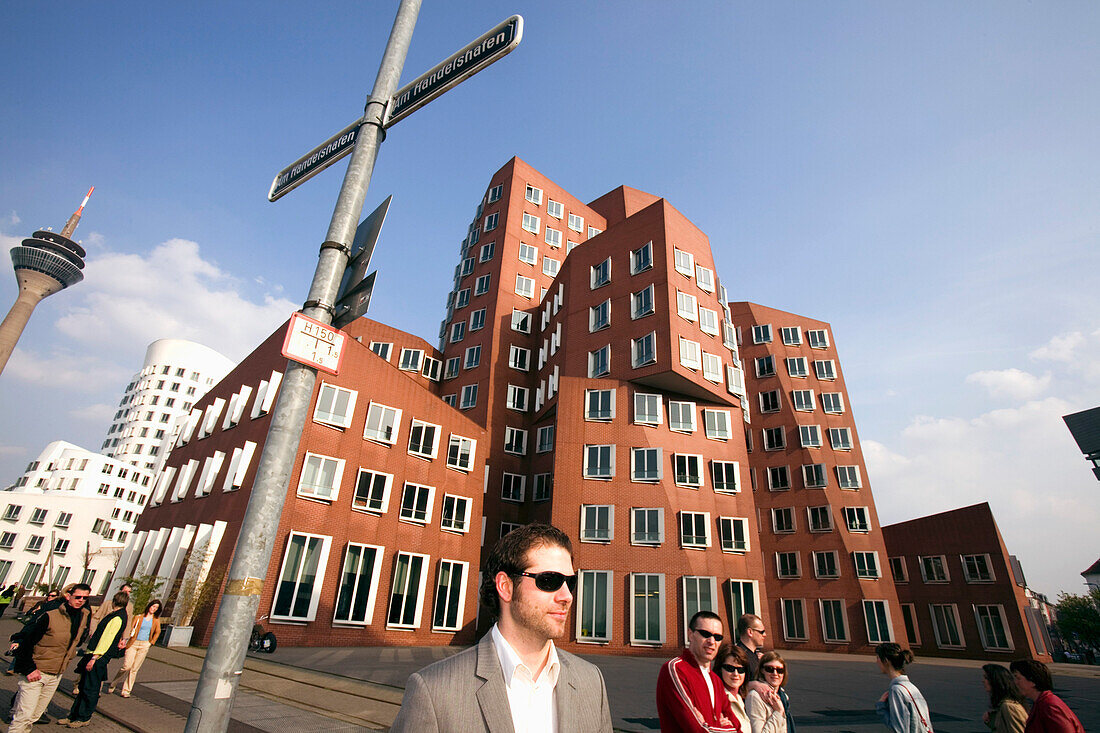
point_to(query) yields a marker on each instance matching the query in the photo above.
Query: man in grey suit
(515, 680)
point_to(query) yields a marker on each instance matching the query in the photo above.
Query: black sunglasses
(773, 670)
(709, 635)
(550, 580)
(732, 669)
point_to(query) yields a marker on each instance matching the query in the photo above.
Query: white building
(176, 373)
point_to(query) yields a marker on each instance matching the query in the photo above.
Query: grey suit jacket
(467, 693)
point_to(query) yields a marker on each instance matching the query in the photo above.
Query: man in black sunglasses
(515, 678)
(690, 696)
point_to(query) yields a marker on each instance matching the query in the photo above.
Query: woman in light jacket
(143, 633)
(902, 707)
(765, 717)
(1006, 713)
(732, 667)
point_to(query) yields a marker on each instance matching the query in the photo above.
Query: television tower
(44, 264)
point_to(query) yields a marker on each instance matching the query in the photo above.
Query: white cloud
(99, 414)
(1059, 348)
(12, 450)
(1013, 383)
(11, 220)
(67, 370)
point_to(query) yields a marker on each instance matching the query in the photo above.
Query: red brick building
(959, 595)
(590, 375)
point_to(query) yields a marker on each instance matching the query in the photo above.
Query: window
(765, 366)
(794, 619)
(528, 254)
(791, 335)
(410, 359)
(708, 321)
(519, 358)
(840, 438)
(866, 564)
(787, 565)
(992, 628)
(834, 622)
(593, 231)
(599, 461)
(762, 334)
(521, 321)
(63, 519)
(597, 523)
(34, 544)
(372, 491)
(335, 406)
(515, 441)
(933, 569)
(481, 285)
(712, 368)
(477, 320)
(531, 223)
(704, 277)
(550, 266)
(321, 477)
(813, 475)
(848, 477)
(450, 399)
(945, 622)
(407, 595)
(460, 453)
(491, 222)
(469, 397)
(495, 193)
(358, 587)
(554, 208)
(299, 588)
(825, 565)
(553, 238)
(796, 366)
(534, 195)
(599, 362)
(593, 606)
(832, 403)
(645, 464)
(695, 529)
(7, 540)
(774, 438)
(909, 617)
(689, 353)
(681, 416)
(855, 518)
(462, 299)
(684, 262)
(545, 439)
(423, 439)
(525, 286)
(647, 526)
(472, 357)
(38, 516)
(733, 533)
(818, 339)
(517, 398)
(513, 487)
(688, 470)
(769, 401)
(686, 306)
(601, 274)
(820, 518)
(599, 316)
(599, 404)
(544, 485)
(416, 503)
(12, 512)
(641, 259)
(647, 610)
(700, 593)
(803, 400)
(641, 302)
(576, 223)
(647, 408)
(455, 514)
(643, 350)
(898, 570)
(716, 424)
(450, 595)
(810, 436)
(726, 476)
(825, 369)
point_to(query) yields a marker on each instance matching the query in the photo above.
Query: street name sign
(315, 161)
(314, 344)
(494, 45)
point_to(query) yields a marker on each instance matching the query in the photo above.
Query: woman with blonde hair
(770, 717)
(144, 631)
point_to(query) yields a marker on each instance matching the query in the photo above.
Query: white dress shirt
(531, 700)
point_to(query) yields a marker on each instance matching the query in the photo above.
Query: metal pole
(210, 710)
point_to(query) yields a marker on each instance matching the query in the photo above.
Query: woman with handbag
(902, 707)
(143, 633)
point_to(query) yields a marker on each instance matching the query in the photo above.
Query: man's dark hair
(745, 622)
(509, 555)
(120, 600)
(79, 586)
(1035, 672)
(701, 615)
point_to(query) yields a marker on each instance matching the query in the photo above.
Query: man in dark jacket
(102, 648)
(46, 644)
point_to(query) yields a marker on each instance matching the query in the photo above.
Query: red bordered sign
(314, 344)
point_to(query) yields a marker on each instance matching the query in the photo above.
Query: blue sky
(923, 176)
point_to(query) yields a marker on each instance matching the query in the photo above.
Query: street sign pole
(210, 711)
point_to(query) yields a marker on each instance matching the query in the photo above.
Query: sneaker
(79, 723)
(43, 720)
(63, 721)
(125, 694)
(111, 690)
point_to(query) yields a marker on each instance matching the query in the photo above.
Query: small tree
(143, 588)
(1079, 617)
(199, 586)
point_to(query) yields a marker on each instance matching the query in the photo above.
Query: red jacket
(1050, 715)
(684, 703)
